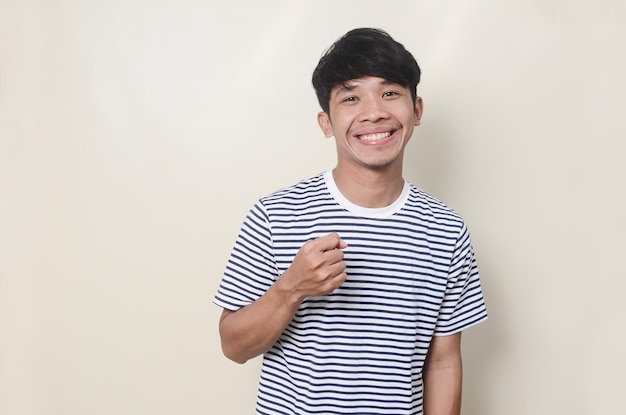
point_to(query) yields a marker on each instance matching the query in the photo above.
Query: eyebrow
(345, 87)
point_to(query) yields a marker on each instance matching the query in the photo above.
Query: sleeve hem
(459, 329)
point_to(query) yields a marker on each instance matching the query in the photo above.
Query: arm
(253, 329)
(443, 375)
(317, 269)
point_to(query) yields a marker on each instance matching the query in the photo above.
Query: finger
(336, 282)
(329, 242)
(338, 269)
(333, 256)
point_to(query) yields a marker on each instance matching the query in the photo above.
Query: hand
(317, 269)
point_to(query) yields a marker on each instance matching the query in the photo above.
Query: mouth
(375, 136)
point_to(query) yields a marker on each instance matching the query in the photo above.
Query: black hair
(364, 52)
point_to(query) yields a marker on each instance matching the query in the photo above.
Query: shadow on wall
(482, 347)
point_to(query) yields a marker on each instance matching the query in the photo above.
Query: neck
(370, 188)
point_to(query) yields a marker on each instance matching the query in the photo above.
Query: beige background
(136, 134)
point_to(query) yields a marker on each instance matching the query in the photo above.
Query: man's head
(364, 52)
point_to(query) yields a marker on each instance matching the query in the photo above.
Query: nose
(373, 109)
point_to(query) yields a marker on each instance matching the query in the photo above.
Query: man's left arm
(443, 376)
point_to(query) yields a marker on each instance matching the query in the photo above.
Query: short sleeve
(251, 268)
(463, 303)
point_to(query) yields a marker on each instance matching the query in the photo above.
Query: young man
(355, 284)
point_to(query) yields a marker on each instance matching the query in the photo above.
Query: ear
(419, 110)
(324, 122)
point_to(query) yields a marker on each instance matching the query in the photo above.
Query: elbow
(231, 349)
(235, 344)
(232, 355)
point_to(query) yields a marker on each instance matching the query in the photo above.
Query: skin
(372, 121)
(369, 173)
(443, 376)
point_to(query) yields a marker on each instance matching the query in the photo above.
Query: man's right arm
(317, 269)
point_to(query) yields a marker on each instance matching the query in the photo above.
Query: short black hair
(364, 52)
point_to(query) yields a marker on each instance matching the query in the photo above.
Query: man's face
(371, 119)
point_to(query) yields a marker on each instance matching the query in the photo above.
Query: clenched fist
(317, 269)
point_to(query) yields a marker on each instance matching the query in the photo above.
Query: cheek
(341, 121)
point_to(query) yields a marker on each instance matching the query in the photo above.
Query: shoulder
(302, 190)
(432, 209)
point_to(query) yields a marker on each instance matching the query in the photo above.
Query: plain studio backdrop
(135, 135)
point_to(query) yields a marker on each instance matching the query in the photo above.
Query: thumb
(340, 243)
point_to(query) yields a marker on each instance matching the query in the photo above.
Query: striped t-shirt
(411, 275)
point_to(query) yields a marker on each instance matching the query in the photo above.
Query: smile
(375, 137)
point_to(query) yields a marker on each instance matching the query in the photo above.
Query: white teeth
(374, 137)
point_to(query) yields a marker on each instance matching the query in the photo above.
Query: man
(354, 284)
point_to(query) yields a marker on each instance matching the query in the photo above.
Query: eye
(350, 98)
(390, 94)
